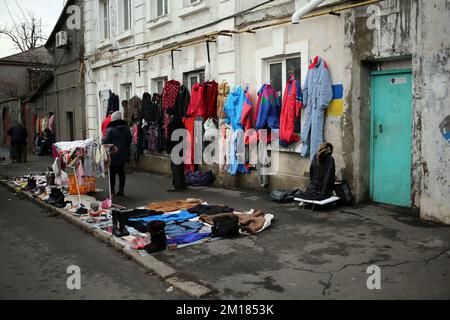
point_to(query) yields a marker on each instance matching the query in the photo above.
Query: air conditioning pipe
(304, 10)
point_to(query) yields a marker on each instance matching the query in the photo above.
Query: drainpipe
(304, 10)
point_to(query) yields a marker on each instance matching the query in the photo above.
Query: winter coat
(18, 134)
(211, 89)
(146, 106)
(169, 98)
(183, 100)
(233, 107)
(197, 106)
(135, 109)
(292, 103)
(113, 103)
(118, 134)
(317, 95)
(322, 179)
(175, 123)
(246, 118)
(224, 91)
(268, 108)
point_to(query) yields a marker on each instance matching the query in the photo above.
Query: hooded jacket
(292, 103)
(118, 134)
(233, 107)
(268, 108)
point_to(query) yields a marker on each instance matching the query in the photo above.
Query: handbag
(342, 190)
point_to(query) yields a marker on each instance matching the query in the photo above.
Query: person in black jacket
(178, 177)
(118, 134)
(19, 137)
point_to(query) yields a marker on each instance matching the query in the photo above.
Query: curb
(150, 263)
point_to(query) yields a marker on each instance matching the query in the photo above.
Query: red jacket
(211, 92)
(105, 124)
(292, 103)
(197, 105)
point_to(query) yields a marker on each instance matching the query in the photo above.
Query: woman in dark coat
(178, 177)
(118, 134)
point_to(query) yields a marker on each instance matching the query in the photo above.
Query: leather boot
(158, 237)
(119, 224)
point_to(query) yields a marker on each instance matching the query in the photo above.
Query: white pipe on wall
(304, 10)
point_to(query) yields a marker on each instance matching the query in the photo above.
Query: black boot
(158, 237)
(119, 224)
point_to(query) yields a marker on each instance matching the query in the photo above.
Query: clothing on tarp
(250, 223)
(174, 205)
(202, 209)
(179, 228)
(290, 111)
(317, 95)
(179, 216)
(188, 238)
(225, 226)
(322, 175)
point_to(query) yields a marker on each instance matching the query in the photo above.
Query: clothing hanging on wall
(197, 105)
(223, 92)
(210, 98)
(169, 98)
(113, 103)
(317, 95)
(183, 100)
(290, 110)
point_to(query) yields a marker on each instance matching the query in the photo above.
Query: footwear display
(119, 227)
(158, 237)
(56, 198)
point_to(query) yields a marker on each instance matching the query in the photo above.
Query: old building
(64, 95)
(21, 75)
(388, 59)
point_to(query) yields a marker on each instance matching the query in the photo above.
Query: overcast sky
(47, 10)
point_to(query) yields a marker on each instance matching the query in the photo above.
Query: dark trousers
(121, 172)
(178, 177)
(19, 151)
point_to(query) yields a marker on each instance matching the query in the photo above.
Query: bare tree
(26, 30)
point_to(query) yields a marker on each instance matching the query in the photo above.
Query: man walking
(19, 137)
(118, 134)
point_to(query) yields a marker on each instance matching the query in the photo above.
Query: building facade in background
(388, 62)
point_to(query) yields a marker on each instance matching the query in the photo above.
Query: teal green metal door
(391, 133)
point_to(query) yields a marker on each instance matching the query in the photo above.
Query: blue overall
(317, 95)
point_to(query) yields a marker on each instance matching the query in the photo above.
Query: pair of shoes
(158, 237)
(121, 193)
(119, 222)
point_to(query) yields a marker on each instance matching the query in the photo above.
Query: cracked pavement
(321, 254)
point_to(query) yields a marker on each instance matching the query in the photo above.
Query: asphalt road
(36, 251)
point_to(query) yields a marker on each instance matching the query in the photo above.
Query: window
(161, 8)
(70, 126)
(126, 91)
(104, 19)
(158, 84)
(191, 78)
(279, 72)
(125, 9)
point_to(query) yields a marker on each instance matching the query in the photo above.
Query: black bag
(342, 190)
(225, 226)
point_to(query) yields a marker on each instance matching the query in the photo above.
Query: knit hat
(116, 116)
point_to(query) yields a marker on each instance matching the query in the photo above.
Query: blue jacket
(317, 95)
(233, 107)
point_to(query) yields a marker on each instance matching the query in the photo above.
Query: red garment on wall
(105, 124)
(197, 105)
(290, 111)
(169, 97)
(211, 92)
(189, 124)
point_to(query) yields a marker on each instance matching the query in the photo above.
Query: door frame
(372, 121)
